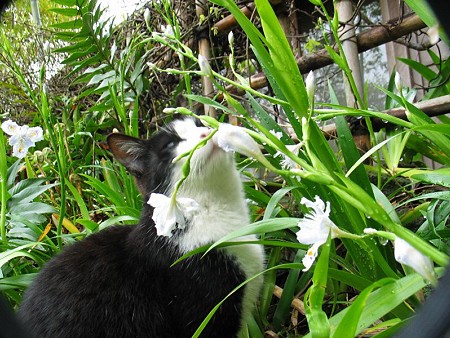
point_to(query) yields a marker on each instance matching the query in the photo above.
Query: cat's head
(151, 161)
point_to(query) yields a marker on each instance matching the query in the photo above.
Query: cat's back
(97, 285)
(122, 282)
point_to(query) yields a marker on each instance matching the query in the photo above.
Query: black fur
(120, 282)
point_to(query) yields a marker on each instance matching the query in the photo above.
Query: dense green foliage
(69, 187)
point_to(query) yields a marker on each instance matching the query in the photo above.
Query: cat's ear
(129, 151)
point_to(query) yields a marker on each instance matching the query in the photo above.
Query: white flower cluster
(171, 213)
(316, 226)
(21, 137)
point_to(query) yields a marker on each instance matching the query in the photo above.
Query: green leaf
(12, 173)
(65, 11)
(384, 202)
(422, 69)
(289, 289)
(32, 208)
(274, 200)
(348, 325)
(423, 10)
(117, 220)
(72, 24)
(79, 199)
(28, 193)
(21, 281)
(382, 301)
(80, 45)
(318, 323)
(264, 226)
(70, 3)
(102, 77)
(349, 278)
(20, 251)
(80, 54)
(351, 155)
(438, 176)
(336, 57)
(285, 69)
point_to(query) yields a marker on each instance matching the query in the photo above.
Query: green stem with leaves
(3, 187)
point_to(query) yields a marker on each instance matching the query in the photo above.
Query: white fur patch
(215, 184)
(189, 133)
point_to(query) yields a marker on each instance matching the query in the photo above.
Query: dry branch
(372, 38)
(204, 48)
(229, 22)
(296, 303)
(433, 107)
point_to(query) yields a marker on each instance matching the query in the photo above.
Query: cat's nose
(205, 133)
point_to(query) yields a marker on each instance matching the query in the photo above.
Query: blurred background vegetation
(79, 73)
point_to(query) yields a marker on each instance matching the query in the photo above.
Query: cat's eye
(170, 145)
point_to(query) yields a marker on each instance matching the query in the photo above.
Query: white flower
(277, 134)
(167, 31)
(171, 213)
(233, 138)
(22, 137)
(406, 254)
(205, 67)
(315, 228)
(287, 163)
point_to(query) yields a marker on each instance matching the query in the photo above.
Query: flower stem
(187, 165)
(3, 187)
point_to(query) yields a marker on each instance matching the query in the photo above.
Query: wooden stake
(204, 48)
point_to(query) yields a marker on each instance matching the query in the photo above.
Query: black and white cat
(120, 282)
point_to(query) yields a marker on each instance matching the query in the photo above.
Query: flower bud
(233, 138)
(310, 86)
(433, 34)
(231, 38)
(147, 16)
(398, 82)
(205, 68)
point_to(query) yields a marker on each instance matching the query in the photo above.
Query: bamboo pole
(36, 13)
(347, 35)
(432, 107)
(204, 48)
(225, 25)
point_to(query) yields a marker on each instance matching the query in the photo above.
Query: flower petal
(318, 206)
(406, 254)
(35, 134)
(233, 138)
(158, 200)
(20, 147)
(316, 226)
(188, 206)
(310, 232)
(10, 128)
(168, 215)
(311, 255)
(163, 215)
